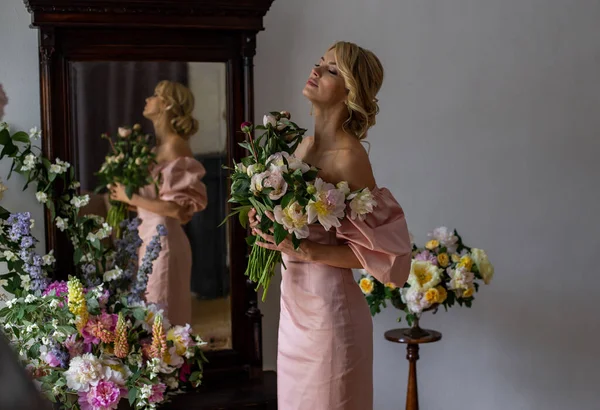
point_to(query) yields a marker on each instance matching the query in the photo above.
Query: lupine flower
(77, 303)
(121, 345)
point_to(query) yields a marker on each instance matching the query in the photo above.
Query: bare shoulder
(352, 164)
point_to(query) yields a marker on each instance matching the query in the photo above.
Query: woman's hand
(117, 193)
(286, 246)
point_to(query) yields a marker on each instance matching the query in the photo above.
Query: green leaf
(133, 393)
(9, 149)
(287, 198)
(21, 137)
(129, 191)
(4, 137)
(280, 233)
(139, 314)
(296, 242)
(243, 216)
(250, 240)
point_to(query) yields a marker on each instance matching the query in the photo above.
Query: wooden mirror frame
(158, 30)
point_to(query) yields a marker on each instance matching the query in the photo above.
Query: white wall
(19, 73)
(490, 123)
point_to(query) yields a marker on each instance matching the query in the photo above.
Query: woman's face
(155, 106)
(325, 86)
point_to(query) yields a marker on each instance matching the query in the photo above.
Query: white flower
(54, 321)
(172, 382)
(75, 185)
(254, 169)
(124, 132)
(113, 274)
(256, 182)
(423, 275)
(62, 223)
(29, 162)
(361, 204)
(4, 126)
(42, 197)
(445, 237)
(138, 161)
(10, 256)
(294, 163)
(414, 299)
(60, 167)
(276, 181)
(45, 341)
(48, 259)
(80, 201)
(240, 168)
(31, 328)
(54, 304)
(30, 298)
(485, 268)
(31, 223)
(34, 133)
(328, 208)
(25, 281)
(344, 187)
(293, 219)
(83, 371)
(269, 119)
(460, 278)
(10, 303)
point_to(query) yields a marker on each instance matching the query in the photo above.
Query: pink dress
(169, 282)
(325, 353)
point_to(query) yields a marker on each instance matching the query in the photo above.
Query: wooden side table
(412, 338)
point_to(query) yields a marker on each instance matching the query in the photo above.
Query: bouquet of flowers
(92, 341)
(444, 272)
(129, 165)
(272, 179)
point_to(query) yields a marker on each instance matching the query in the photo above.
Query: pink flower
(100, 328)
(103, 299)
(184, 372)
(77, 347)
(103, 396)
(158, 392)
(52, 360)
(427, 256)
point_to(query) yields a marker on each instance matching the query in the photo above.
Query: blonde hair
(363, 75)
(180, 104)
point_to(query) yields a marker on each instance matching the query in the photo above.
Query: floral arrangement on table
(90, 342)
(274, 182)
(443, 272)
(129, 164)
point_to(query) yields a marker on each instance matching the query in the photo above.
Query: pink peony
(103, 396)
(158, 393)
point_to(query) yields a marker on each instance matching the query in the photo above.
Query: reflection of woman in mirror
(181, 194)
(325, 343)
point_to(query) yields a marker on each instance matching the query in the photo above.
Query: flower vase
(415, 331)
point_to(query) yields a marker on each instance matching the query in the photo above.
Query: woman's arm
(157, 206)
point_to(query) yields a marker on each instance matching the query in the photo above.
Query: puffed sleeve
(182, 184)
(381, 241)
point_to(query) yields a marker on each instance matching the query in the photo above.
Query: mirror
(105, 95)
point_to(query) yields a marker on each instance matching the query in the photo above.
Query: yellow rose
(455, 257)
(432, 244)
(366, 285)
(443, 259)
(442, 294)
(468, 293)
(466, 262)
(432, 296)
(391, 285)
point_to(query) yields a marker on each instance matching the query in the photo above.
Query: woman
(325, 353)
(181, 194)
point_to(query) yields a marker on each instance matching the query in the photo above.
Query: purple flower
(57, 357)
(26, 242)
(139, 285)
(58, 289)
(37, 260)
(162, 230)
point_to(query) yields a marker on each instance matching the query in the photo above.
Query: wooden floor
(212, 321)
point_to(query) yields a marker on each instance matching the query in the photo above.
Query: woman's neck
(328, 125)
